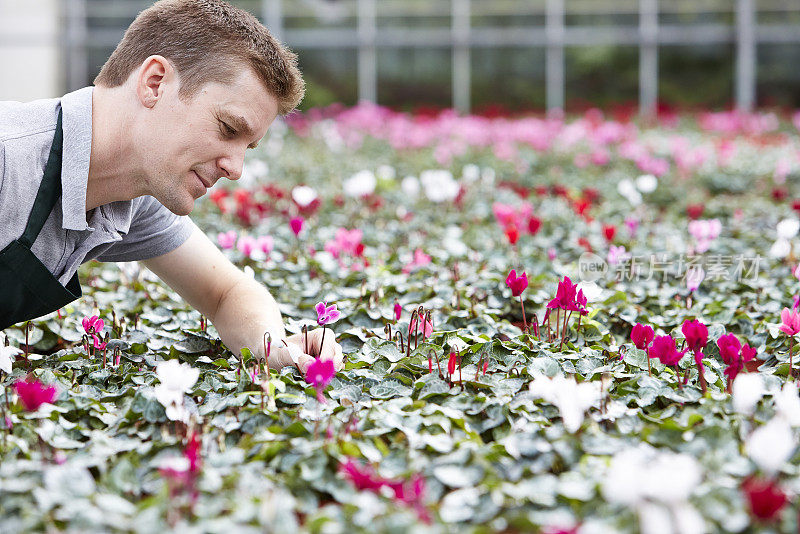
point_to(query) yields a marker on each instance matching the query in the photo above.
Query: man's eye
(227, 130)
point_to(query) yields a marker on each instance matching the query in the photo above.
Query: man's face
(188, 146)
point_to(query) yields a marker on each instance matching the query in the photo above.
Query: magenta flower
(398, 311)
(319, 374)
(729, 348)
(93, 324)
(296, 224)
(326, 314)
(517, 284)
(361, 477)
(664, 349)
(566, 295)
(642, 336)
(696, 335)
(34, 394)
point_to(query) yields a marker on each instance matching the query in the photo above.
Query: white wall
(29, 50)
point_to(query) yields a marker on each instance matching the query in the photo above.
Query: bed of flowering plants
(577, 325)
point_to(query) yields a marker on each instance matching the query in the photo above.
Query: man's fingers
(331, 351)
(279, 357)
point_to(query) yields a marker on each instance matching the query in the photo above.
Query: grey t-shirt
(137, 229)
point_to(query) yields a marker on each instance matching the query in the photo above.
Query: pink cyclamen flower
(664, 349)
(398, 311)
(296, 224)
(326, 314)
(93, 324)
(97, 344)
(246, 245)
(694, 276)
(551, 254)
(790, 322)
(226, 240)
(642, 336)
(517, 284)
(34, 394)
(265, 244)
(319, 374)
(420, 259)
(426, 329)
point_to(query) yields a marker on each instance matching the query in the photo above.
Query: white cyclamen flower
(747, 390)
(780, 248)
(439, 185)
(7, 355)
(787, 228)
(386, 172)
(787, 403)
(647, 183)
(304, 195)
(410, 186)
(771, 446)
(176, 379)
(360, 184)
(627, 189)
(471, 173)
(571, 399)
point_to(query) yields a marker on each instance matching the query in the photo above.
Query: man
(110, 172)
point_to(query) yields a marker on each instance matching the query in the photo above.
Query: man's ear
(155, 75)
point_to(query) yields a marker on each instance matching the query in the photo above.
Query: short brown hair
(206, 41)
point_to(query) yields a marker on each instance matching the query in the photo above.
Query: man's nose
(231, 165)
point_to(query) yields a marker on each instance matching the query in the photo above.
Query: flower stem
(791, 347)
(647, 355)
(321, 344)
(524, 322)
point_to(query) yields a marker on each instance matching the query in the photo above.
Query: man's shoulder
(22, 119)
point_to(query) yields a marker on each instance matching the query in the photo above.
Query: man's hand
(302, 353)
(239, 307)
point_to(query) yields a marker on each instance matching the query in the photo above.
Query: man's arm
(240, 308)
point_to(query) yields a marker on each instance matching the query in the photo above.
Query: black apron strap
(49, 189)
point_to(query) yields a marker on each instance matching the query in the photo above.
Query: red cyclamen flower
(517, 284)
(696, 335)
(664, 349)
(326, 314)
(766, 498)
(34, 394)
(451, 363)
(398, 311)
(642, 336)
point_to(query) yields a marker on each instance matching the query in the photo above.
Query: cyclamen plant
(518, 284)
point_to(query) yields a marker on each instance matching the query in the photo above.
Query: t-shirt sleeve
(154, 231)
